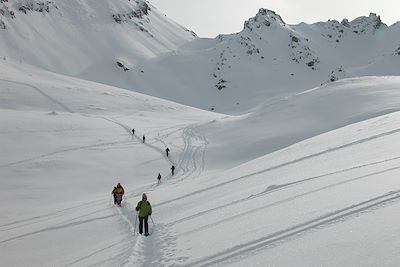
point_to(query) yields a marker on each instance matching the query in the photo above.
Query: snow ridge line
(247, 176)
(52, 99)
(302, 228)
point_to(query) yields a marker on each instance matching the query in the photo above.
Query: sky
(208, 18)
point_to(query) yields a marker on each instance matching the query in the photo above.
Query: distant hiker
(133, 131)
(172, 169)
(144, 211)
(159, 178)
(119, 192)
(167, 151)
(114, 195)
(144, 138)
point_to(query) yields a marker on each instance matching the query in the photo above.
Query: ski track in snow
(159, 249)
(96, 145)
(285, 164)
(164, 242)
(160, 244)
(56, 227)
(41, 92)
(328, 219)
(195, 146)
(275, 188)
(286, 200)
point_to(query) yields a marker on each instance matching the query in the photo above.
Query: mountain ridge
(129, 44)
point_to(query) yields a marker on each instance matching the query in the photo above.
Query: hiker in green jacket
(144, 211)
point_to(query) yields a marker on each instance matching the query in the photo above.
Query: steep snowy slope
(86, 38)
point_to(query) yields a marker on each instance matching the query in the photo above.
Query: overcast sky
(209, 18)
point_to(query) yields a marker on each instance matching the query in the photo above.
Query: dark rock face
(5, 11)
(221, 84)
(300, 52)
(122, 65)
(36, 6)
(265, 18)
(345, 22)
(142, 9)
(136, 17)
(397, 51)
(311, 63)
(337, 74)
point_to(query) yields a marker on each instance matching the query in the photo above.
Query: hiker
(119, 192)
(114, 195)
(167, 151)
(144, 138)
(133, 131)
(144, 211)
(159, 178)
(173, 169)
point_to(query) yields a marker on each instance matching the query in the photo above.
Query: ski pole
(152, 220)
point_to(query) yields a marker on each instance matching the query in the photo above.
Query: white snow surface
(325, 191)
(288, 170)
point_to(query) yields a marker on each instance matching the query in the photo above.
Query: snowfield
(292, 160)
(324, 193)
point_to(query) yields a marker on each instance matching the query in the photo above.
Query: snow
(287, 175)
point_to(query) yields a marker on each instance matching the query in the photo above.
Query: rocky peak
(264, 18)
(139, 11)
(269, 14)
(364, 25)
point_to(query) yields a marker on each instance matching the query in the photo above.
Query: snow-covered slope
(65, 143)
(286, 121)
(270, 58)
(130, 44)
(306, 175)
(86, 38)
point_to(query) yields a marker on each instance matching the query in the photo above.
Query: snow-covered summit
(364, 25)
(264, 18)
(270, 58)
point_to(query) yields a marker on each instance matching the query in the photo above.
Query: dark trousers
(144, 220)
(118, 198)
